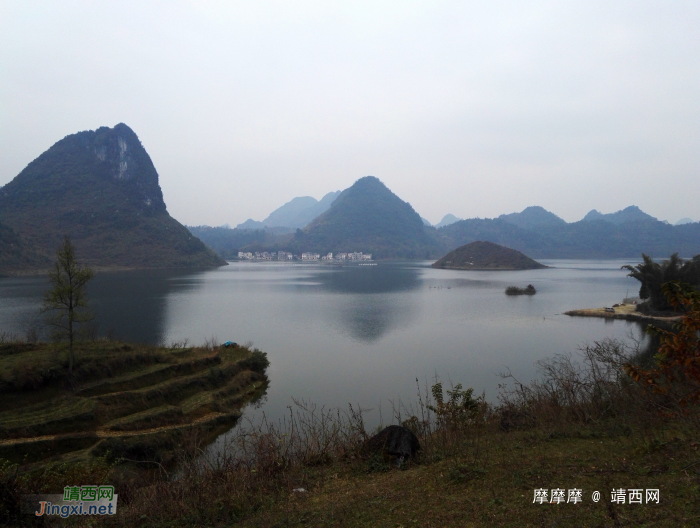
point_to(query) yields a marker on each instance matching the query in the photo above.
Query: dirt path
(103, 433)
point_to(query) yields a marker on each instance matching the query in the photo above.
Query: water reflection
(128, 305)
(368, 318)
(355, 334)
(132, 305)
(382, 278)
(20, 301)
(373, 299)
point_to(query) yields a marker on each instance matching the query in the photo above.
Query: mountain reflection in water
(372, 299)
(355, 334)
(131, 305)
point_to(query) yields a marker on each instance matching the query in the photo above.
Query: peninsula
(123, 401)
(626, 311)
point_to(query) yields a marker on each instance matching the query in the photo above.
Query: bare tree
(67, 299)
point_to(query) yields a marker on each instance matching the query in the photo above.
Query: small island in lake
(514, 290)
(482, 255)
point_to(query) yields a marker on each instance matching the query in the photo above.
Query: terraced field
(122, 401)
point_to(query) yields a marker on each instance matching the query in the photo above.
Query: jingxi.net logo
(76, 500)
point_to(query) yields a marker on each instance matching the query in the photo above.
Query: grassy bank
(583, 424)
(127, 406)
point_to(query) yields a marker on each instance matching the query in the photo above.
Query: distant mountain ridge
(585, 239)
(532, 218)
(628, 214)
(447, 220)
(101, 188)
(296, 213)
(534, 231)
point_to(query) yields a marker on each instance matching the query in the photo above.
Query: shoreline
(34, 272)
(626, 312)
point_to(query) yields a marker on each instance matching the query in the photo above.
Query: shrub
(676, 373)
(590, 386)
(257, 362)
(514, 290)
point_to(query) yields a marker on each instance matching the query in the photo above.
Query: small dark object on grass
(512, 419)
(514, 290)
(395, 441)
(230, 344)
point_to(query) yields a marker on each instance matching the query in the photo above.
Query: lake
(355, 334)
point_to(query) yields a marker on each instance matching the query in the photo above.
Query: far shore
(32, 272)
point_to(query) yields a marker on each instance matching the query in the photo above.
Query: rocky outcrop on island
(482, 255)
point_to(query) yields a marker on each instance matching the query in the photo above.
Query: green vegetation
(584, 239)
(533, 218)
(368, 217)
(100, 188)
(591, 421)
(676, 372)
(118, 397)
(228, 242)
(583, 424)
(653, 275)
(67, 298)
(17, 256)
(486, 256)
(514, 290)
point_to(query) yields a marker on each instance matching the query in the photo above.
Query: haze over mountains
(100, 188)
(629, 214)
(368, 217)
(447, 220)
(295, 214)
(532, 218)
(598, 238)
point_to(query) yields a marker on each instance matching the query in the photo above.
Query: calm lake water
(356, 334)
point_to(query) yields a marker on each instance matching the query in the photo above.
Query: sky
(470, 108)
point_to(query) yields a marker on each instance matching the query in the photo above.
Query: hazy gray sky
(471, 108)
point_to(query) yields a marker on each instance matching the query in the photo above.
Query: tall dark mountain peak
(101, 188)
(368, 217)
(114, 155)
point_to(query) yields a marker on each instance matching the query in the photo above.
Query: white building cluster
(307, 257)
(339, 257)
(275, 255)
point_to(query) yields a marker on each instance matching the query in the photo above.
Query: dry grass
(581, 425)
(118, 390)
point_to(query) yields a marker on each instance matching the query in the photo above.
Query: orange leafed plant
(677, 370)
